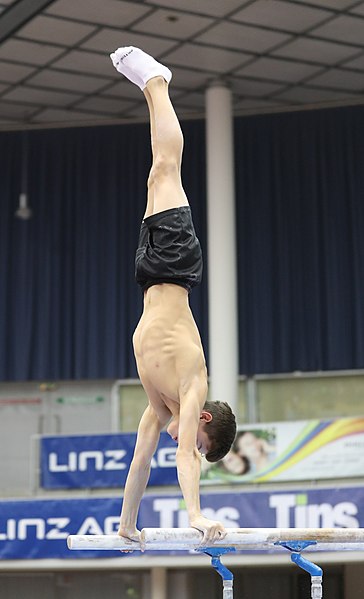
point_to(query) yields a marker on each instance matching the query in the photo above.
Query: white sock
(142, 65)
(124, 70)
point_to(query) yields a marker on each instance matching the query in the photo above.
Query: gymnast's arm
(189, 465)
(148, 435)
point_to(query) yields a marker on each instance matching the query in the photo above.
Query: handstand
(167, 344)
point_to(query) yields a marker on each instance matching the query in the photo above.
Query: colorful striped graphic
(314, 436)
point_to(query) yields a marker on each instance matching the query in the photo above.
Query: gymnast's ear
(205, 416)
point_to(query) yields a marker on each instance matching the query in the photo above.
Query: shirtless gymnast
(167, 344)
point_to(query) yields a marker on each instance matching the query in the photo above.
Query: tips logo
(294, 510)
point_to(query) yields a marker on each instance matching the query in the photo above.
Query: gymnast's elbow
(187, 458)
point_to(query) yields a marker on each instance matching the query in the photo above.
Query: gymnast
(167, 345)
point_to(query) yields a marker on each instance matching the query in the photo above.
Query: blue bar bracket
(296, 547)
(215, 553)
(313, 569)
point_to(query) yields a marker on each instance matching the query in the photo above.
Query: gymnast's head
(220, 427)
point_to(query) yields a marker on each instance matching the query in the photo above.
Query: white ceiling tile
(88, 63)
(213, 8)
(189, 79)
(108, 12)
(105, 105)
(306, 95)
(358, 9)
(16, 111)
(107, 40)
(281, 15)
(58, 31)
(333, 4)
(315, 51)
(344, 29)
(252, 104)
(210, 60)
(193, 99)
(340, 79)
(31, 95)
(281, 70)
(356, 63)
(14, 72)
(241, 37)
(67, 81)
(57, 115)
(28, 52)
(253, 87)
(183, 27)
(124, 89)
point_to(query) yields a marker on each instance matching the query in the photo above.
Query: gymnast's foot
(138, 66)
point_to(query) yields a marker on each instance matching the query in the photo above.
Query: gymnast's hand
(212, 530)
(131, 533)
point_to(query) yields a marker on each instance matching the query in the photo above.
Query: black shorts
(169, 250)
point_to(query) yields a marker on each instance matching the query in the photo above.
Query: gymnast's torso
(168, 348)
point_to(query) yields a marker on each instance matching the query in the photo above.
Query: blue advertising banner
(39, 528)
(100, 461)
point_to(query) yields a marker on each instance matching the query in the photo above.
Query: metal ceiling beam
(18, 14)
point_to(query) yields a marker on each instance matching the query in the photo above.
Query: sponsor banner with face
(292, 451)
(39, 528)
(100, 461)
(283, 451)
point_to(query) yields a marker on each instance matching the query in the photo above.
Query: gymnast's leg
(164, 184)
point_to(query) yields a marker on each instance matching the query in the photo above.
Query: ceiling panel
(108, 40)
(314, 50)
(254, 87)
(109, 12)
(40, 96)
(16, 111)
(334, 4)
(281, 70)
(173, 24)
(123, 89)
(340, 79)
(68, 81)
(356, 63)
(28, 52)
(241, 37)
(250, 105)
(101, 105)
(343, 28)
(57, 115)
(60, 31)
(272, 53)
(210, 60)
(213, 8)
(358, 9)
(14, 72)
(88, 63)
(306, 95)
(286, 16)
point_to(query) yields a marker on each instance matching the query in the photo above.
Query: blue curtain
(68, 300)
(300, 223)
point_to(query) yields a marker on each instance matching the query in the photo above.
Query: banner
(275, 452)
(292, 451)
(99, 461)
(39, 528)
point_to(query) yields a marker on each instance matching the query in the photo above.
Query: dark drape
(300, 223)
(68, 300)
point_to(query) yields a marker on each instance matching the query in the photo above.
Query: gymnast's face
(203, 442)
